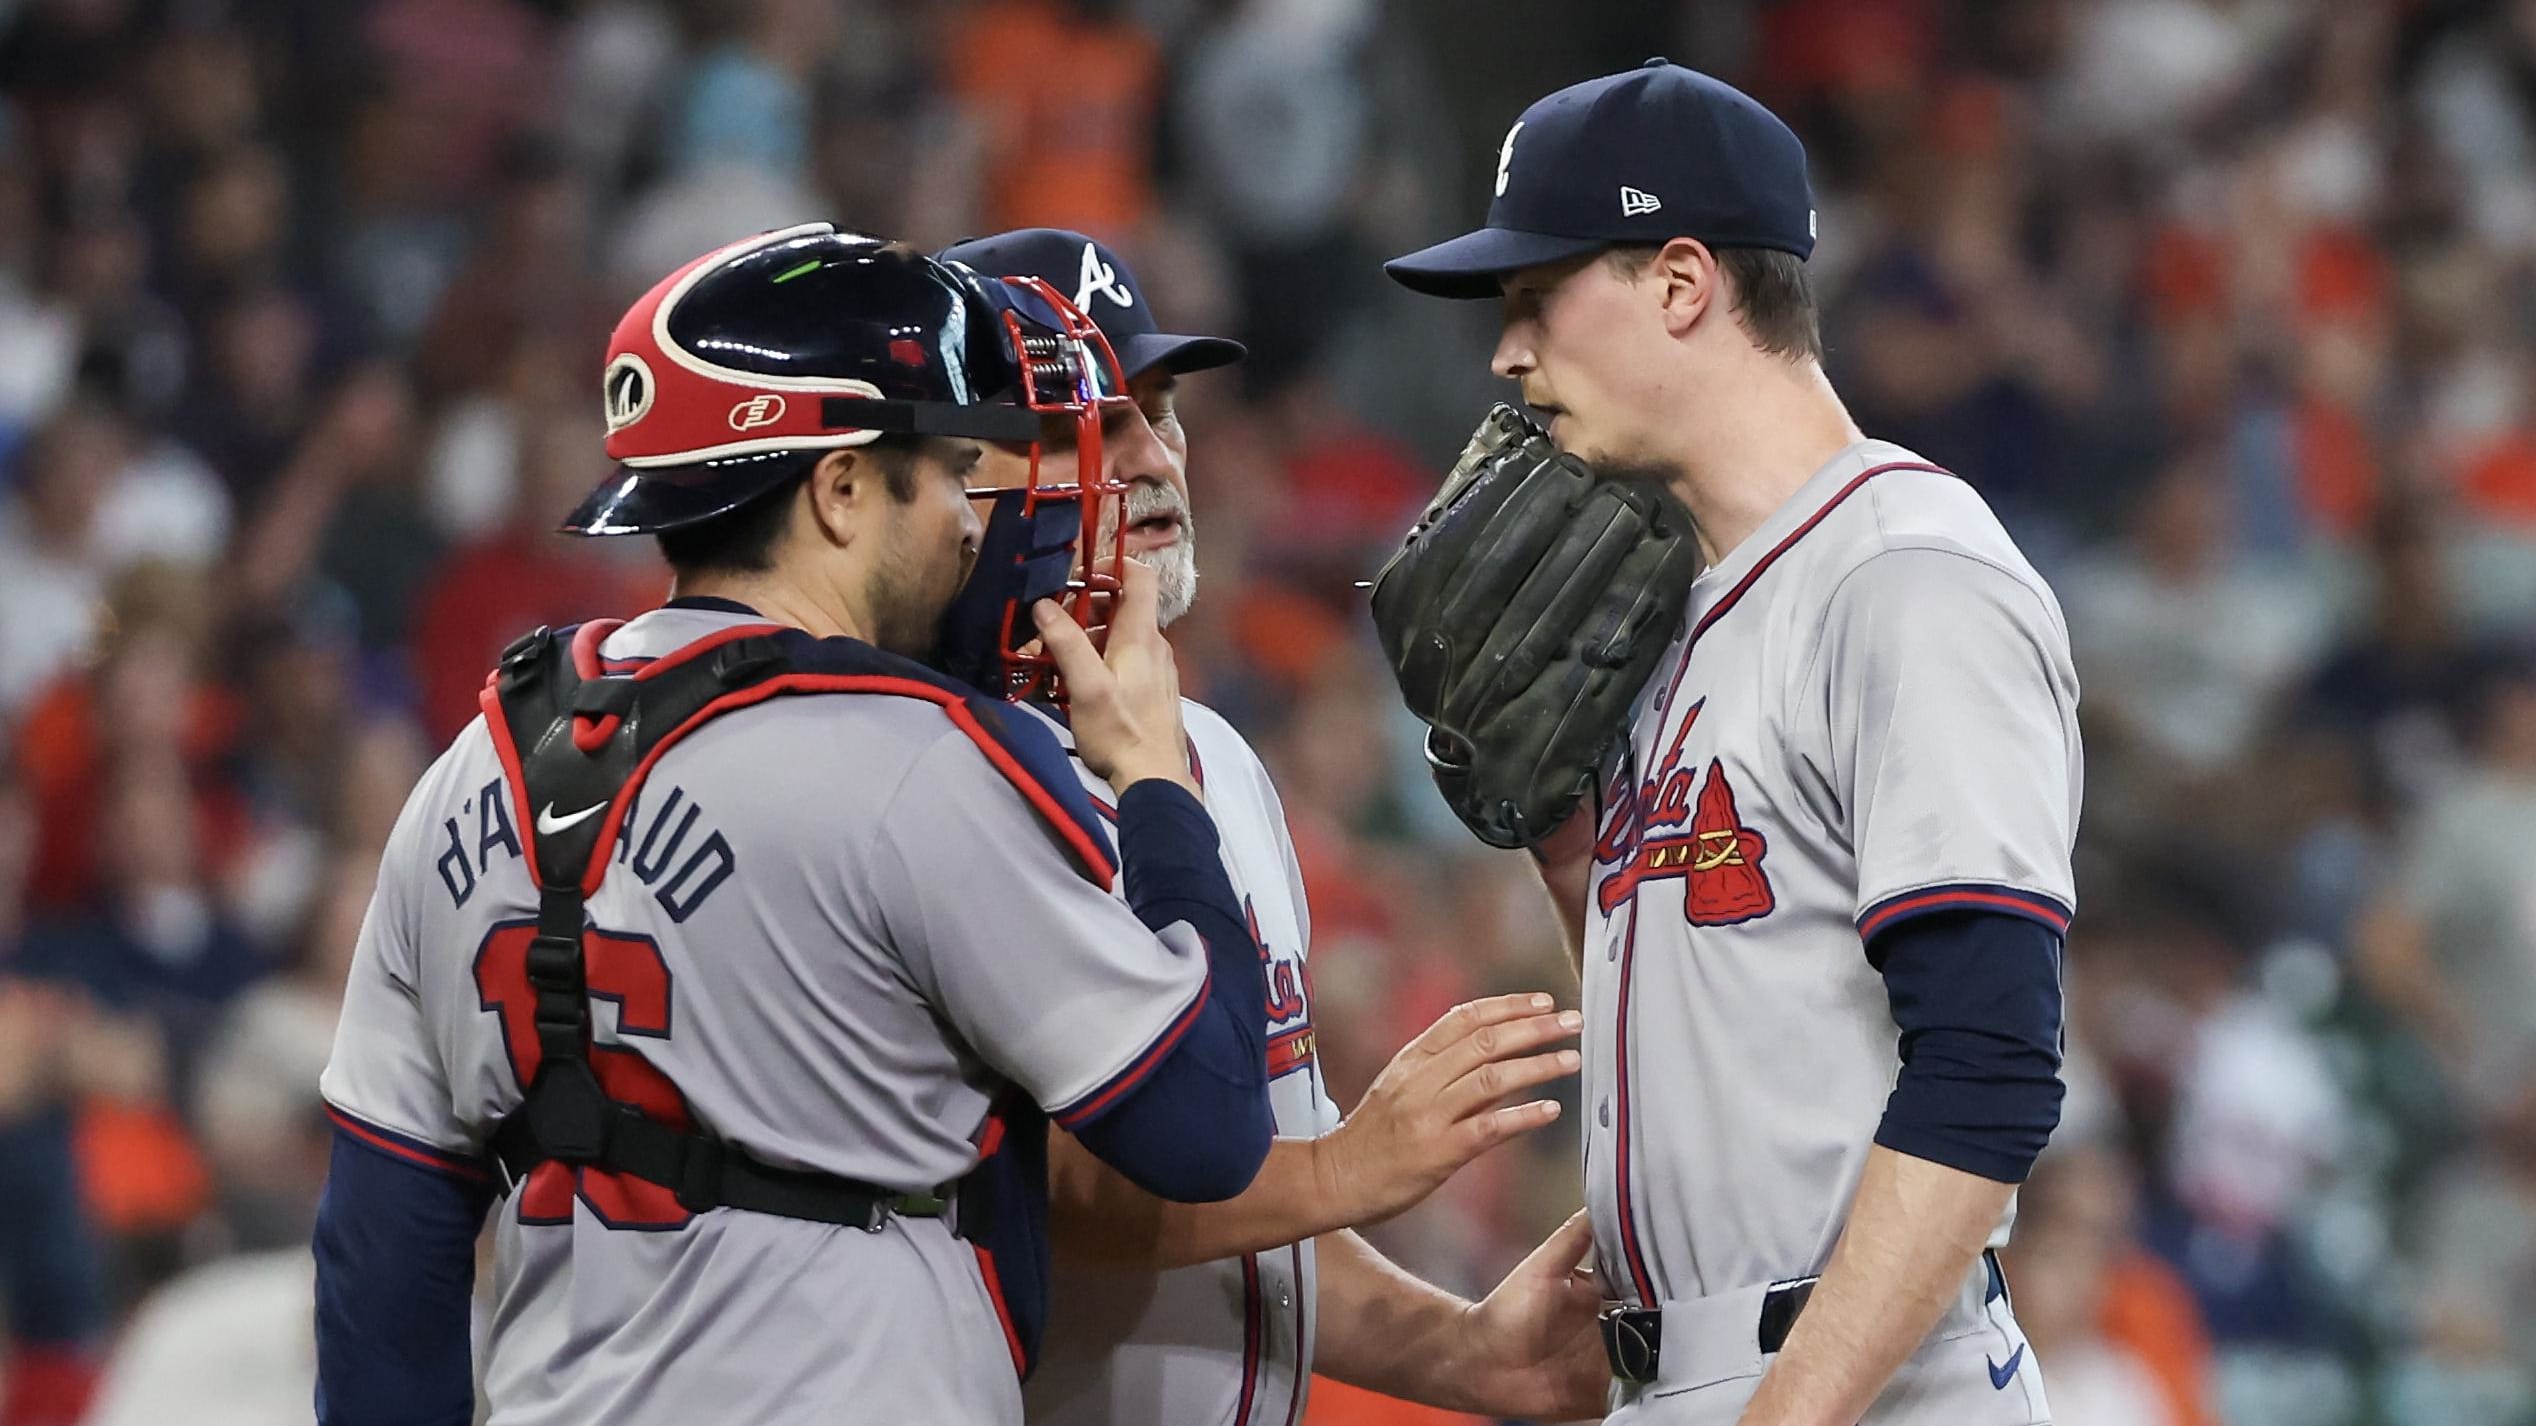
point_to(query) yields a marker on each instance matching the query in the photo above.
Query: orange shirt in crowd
(1068, 104)
(2149, 1311)
(1338, 1404)
(63, 755)
(138, 1170)
(2500, 480)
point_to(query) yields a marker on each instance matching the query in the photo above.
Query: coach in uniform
(1820, 896)
(1221, 1313)
(852, 922)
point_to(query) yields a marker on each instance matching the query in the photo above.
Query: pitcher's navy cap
(1101, 288)
(1643, 156)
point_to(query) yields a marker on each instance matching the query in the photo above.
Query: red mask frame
(1059, 377)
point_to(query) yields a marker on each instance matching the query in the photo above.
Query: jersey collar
(1798, 510)
(713, 604)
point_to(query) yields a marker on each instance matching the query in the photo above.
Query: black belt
(1633, 1337)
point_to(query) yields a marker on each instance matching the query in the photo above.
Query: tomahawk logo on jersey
(1719, 857)
(1799, 776)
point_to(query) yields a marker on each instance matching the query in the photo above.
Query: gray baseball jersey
(835, 932)
(1231, 1341)
(1870, 714)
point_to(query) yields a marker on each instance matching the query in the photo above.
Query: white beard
(1175, 566)
(1175, 576)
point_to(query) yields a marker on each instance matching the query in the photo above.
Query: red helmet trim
(689, 409)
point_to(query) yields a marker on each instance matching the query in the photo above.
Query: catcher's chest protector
(576, 744)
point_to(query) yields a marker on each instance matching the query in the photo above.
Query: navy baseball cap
(1101, 288)
(1643, 156)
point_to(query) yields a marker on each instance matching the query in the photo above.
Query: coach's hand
(1123, 699)
(1435, 1107)
(1533, 1347)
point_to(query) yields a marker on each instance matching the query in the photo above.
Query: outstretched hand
(1435, 1107)
(1535, 1348)
(1124, 697)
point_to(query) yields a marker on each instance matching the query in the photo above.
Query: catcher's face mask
(1041, 506)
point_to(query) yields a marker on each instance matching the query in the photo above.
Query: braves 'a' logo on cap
(627, 391)
(1634, 201)
(759, 410)
(1101, 277)
(1506, 158)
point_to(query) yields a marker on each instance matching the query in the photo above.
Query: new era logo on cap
(1688, 156)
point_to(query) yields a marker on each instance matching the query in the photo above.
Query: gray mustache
(1145, 501)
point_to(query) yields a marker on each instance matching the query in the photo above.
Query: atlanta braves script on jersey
(1814, 765)
(835, 933)
(1228, 1341)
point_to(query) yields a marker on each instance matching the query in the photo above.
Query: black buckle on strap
(1633, 1340)
(567, 1112)
(605, 697)
(1633, 1337)
(524, 652)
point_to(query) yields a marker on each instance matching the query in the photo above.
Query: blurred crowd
(2227, 305)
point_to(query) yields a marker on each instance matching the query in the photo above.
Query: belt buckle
(1632, 1341)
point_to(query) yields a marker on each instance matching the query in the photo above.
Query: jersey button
(1604, 1113)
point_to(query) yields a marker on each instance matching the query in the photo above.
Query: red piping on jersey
(514, 780)
(2003, 899)
(1094, 859)
(1254, 1304)
(1087, 850)
(590, 732)
(385, 1142)
(1639, 1277)
(1003, 1314)
(1736, 594)
(1135, 1073)
(990, 1137)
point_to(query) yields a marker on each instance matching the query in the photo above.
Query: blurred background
(2226, 305)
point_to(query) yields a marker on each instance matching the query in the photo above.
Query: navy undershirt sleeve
(1196, 1127)
(1977, 995)
(395, 1249)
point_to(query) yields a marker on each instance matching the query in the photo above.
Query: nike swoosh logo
(2000, 1376)
(548, 824)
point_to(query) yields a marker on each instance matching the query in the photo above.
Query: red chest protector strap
(576, 744)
